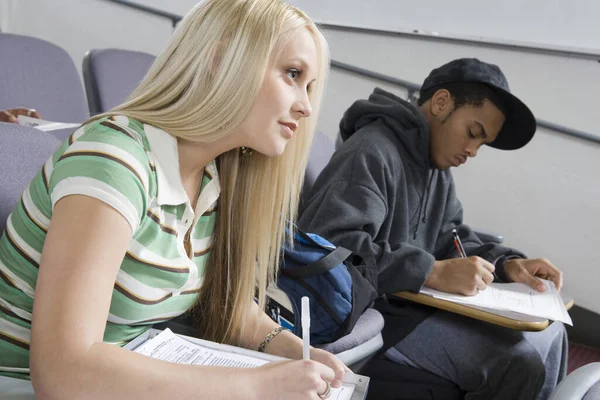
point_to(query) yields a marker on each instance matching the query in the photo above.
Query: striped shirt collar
(170, 189)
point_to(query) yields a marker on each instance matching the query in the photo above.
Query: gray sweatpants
(485, 360)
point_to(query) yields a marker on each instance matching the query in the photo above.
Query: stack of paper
(513, 297)
(44, 125)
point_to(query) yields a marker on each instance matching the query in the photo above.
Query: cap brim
(520, 124)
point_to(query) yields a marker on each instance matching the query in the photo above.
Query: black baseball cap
(519, 125)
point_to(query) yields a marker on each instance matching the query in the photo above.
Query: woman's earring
(246, 151)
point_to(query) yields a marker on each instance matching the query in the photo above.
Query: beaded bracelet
(269, 337)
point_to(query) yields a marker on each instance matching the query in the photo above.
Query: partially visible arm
(86, 242)
(83, 251)
(11, 114)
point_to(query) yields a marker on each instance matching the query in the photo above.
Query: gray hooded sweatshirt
(381, 197)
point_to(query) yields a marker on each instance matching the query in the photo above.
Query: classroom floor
(580, 355)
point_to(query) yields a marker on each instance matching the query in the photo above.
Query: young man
(388, 195)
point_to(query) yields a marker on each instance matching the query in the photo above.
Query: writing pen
(305, 328)
(349, 376)
(458, 244)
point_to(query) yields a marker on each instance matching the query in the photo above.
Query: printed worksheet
(43, 125)
(168, 346)
(513, 297)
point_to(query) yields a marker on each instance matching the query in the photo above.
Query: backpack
(338, 293)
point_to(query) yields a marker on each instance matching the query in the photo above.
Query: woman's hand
(291, 380)
(330, 360)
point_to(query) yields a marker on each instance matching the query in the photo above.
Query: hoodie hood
(410, 127)
(407, 121)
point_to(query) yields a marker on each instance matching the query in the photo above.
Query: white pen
(349, 377)
(305, 328)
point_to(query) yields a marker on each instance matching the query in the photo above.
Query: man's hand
(11, 114)
(465, 276)
(528, 270)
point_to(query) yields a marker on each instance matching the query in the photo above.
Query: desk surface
(526, 324)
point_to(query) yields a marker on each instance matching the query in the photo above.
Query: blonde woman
(178, 197)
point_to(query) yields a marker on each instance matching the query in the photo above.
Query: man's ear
(441, 103)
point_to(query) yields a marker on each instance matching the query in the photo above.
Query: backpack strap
(331, 260)
(305, 237)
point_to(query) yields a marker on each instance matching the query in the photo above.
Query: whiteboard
(548, 23)
(179, 7)
(571, 24)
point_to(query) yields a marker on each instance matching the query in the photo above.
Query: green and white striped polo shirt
(133, 167)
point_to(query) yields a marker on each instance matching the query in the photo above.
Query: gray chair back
(320, 154)
(593, 393)
(581, 384)
(110, 75)
(38, 74)
(365, 339)
(23, 152)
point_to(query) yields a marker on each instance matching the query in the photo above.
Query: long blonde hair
(200, 88)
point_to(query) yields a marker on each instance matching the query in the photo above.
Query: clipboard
(361, 383)
(507, 319)
(11, 388)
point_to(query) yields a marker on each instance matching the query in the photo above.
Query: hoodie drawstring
(428, 195)
(424, 204)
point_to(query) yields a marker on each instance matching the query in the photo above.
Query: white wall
(179, 7)
(544, 198)
(562, 23)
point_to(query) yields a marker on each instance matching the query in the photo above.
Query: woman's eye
(471, 135)
(293, 73)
